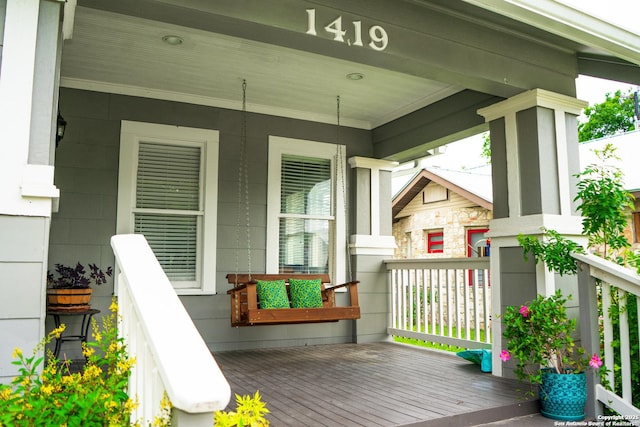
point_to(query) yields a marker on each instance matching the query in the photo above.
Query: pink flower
(524, 310)
(595, 361)
(504, 356)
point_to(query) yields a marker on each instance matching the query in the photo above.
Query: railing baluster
(393, 275)
(486, 298)
(412, 277)
(467, 305)
(625, 354)
(608, 331)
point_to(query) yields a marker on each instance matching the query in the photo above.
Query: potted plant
(68, 288)
(540, 339)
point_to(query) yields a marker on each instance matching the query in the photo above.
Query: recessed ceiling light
(172, 40)
(355, 76)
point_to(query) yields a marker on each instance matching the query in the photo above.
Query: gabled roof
(474, 185)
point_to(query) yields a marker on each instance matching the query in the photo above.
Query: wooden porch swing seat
(246, 311)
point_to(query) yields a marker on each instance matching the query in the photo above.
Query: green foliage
(539, 335)
(614, 115)
(553, 249)
(250, 412)
(486, 147)
(94, 397)
(604, 204)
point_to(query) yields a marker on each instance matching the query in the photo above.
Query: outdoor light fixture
(60, 128)
(172, 40)
(355, 76)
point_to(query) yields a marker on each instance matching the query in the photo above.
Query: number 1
(311, 22)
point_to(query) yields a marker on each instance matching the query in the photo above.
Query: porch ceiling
(117, 47)
(125, 54)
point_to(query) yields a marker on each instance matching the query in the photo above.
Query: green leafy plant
(612, 116)
(77, 277)
(95, 396)
(250, 412)
(605, 205)
(539, 335)
(553, 249)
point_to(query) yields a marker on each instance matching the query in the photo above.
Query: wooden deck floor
(382, 384)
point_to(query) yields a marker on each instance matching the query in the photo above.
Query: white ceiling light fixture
(355, 76)
(172, 40)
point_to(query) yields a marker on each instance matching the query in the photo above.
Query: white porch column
(534, 150)
(371, 242)
(28, 73)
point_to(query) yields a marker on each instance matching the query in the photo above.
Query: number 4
(335, 27)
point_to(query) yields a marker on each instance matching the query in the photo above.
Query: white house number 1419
(378, 38)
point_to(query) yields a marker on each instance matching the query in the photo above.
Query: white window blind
(305, 214)
(168, 206)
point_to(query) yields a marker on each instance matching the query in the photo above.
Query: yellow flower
(5, 393)
(87, 351)
(57, 332)
(98, 337)
(16, 353)
(130, 405)
(91, 371)
(47, 389)
(113, 307)
(67, 379)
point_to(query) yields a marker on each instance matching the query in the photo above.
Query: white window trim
(279, 146)
(131, 134)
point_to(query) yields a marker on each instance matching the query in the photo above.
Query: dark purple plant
(76, 277)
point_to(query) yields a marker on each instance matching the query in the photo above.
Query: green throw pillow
(272, 294)
(305, 293)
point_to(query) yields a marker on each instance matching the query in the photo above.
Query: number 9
(378, 35)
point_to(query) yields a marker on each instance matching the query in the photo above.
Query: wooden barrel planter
(68, 299)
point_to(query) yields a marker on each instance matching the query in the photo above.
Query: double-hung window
(305, 208)
(167, 191)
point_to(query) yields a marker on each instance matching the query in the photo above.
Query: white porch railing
(607, 285)
(445, 301)
(170, 354)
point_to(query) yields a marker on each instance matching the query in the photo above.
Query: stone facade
(453, 217)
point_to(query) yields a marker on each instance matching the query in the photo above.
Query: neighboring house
(156, 86)
(443, 213)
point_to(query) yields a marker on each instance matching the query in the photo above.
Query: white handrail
(159, 332)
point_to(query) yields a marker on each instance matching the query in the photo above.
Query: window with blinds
(168, 206)
(305, 214)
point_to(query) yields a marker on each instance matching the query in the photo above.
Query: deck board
(380, 384)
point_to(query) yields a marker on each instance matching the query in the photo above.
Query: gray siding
(22, 271)
(517, 285)
(499, 176)
(87, 170)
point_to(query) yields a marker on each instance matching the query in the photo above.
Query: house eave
(573, 24)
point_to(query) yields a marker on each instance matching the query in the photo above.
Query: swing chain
(243, 181)
(340, 165)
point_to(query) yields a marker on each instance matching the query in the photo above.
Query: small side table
(84, 328)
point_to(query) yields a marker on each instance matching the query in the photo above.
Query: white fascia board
(563, 20)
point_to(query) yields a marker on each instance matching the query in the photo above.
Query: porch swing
(277, 299)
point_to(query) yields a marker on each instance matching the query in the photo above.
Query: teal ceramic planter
(563, 396)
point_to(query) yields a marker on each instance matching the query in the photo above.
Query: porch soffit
(437, 49)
